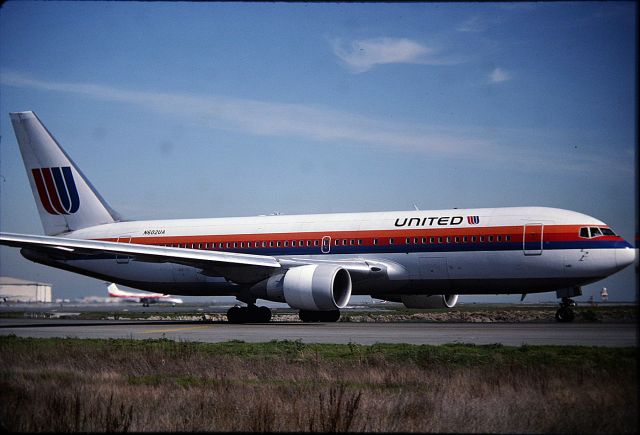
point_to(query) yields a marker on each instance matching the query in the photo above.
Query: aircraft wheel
(263, 314)
(565, 314)
(235, 315)
(308, 316)
(331, 316)
(319, 316)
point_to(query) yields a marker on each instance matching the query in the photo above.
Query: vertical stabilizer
(66, 200)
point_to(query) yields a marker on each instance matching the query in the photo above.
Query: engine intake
(317, 287)
(313, 287)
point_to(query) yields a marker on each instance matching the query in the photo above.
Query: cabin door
(532, 239)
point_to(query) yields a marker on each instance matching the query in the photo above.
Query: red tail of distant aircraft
(314, 263)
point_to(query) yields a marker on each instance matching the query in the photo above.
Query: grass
(162, 385)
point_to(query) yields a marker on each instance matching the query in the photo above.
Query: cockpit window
(591, 232)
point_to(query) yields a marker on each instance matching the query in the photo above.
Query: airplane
(145, 299)
(313, 263)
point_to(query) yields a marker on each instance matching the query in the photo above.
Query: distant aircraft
(144, 298)
(314, 263)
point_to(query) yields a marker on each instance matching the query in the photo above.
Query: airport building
(19, 290)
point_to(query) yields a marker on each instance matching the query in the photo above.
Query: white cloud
(362, 55)
(498, 75)
(474, 24)
(314, 123)
(276, 119)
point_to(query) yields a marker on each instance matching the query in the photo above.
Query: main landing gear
(248, 314)
(565, 313)
(319, 316)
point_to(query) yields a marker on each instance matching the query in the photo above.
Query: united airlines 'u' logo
(473, 220)
(57, 190)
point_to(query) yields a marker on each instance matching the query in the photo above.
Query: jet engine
(314, 287)
(433, 301)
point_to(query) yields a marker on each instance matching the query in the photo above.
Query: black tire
(235, 315)
(307, 316)
(565, 314)
(330, 316)
(263, 314)
(319, 316)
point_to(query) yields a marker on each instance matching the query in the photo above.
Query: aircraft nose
(625, 257)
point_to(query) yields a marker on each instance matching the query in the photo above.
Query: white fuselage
(472, 251)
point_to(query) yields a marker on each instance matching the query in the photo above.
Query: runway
(508, 334)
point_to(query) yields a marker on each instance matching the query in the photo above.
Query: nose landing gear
(565, 313)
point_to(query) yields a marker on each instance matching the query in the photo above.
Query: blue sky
(232, 109)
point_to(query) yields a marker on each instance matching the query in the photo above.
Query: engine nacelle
(433, 301)
(314, 287)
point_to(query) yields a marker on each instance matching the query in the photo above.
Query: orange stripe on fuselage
(551, 233)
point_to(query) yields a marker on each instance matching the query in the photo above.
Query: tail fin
(66, 200)
(114, 291)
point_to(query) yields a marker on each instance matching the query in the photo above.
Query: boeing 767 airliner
(314, 263)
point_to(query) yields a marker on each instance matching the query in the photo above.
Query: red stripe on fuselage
(552, 233)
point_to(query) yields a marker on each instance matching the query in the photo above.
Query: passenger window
(286, 243)
(432, 239)
(293, 243)
(351, 242)
(235, 244)
(315, 243)
(456, 239)
(482, 238)
(391, 241)
(448, 239)
(424, 240)
(359, 242)
(473, 239)
(465, 239)
(271, 244)
(491, 238)
(375, 241)
(439, 239)
(407, 240)
(507, 238)
(498, 238)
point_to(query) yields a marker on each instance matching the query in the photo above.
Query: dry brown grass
(122, 385)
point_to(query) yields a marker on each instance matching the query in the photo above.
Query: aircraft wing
(240, 268)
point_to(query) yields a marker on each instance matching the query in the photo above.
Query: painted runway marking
(189, 328)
